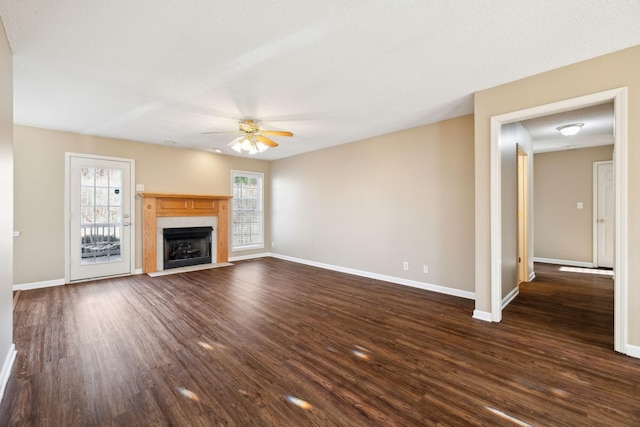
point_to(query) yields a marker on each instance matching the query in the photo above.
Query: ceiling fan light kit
(250, 145)
(252, 139)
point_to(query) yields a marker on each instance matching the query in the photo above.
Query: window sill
(247, 248)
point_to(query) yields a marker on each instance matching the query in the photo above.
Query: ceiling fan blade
(276, 132)
(266, 141)
(210, 133)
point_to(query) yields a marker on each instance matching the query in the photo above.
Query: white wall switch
(139, 187)
(425, 269)
(579, 205)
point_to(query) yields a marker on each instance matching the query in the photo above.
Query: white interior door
(99, 217)
(604, 214)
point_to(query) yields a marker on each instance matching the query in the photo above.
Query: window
(246, 211)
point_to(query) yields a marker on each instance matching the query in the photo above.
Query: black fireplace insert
(186, 246)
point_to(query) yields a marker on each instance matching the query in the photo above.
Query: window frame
(252, 245)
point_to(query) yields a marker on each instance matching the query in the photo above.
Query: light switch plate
(579, 205)
(139, 187)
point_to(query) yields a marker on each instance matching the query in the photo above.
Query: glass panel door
(100, 232)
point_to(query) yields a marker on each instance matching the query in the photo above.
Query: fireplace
(186, 246)
(161, 211)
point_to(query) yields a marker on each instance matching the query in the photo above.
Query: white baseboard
(532, 276)
(385, 278)
(38, 285)
(633, 351)
(6, 369)
(485, 316)
(506, 300)
(564, 262)
(138, 271)
(246, 257)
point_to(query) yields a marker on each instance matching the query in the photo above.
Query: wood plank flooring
(273, 343)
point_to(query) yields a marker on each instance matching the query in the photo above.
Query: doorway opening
(618, 96)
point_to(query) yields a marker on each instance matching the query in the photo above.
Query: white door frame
(595, 209)
(619, 98)
(67, 216)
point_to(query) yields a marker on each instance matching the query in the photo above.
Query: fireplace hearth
(186, 246)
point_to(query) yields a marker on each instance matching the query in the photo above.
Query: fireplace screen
(186, 246)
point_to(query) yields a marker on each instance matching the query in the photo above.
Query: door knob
(601, 221)
(125, 224)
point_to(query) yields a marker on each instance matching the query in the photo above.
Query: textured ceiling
(330, 71)
(597, 129)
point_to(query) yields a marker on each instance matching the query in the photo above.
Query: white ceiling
(330, 71)
(597, 129)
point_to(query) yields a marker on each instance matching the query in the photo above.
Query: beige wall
(6, 195)
(512, 138)
(562, 179)
(619, 69)
(372, 204)
(39, 189)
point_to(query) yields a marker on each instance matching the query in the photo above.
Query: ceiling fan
(252, 139)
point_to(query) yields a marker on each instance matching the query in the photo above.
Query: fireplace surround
(182, 222)
(161, 210)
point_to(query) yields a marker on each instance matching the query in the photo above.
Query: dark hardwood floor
(273, 343)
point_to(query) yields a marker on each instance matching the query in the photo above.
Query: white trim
(532, 276)
(619, 98)
(385, 278)
(138, 271)
(583, 264)
(510, 297)
(67, 201)
(496, 220)
(633, 351)
(6, 368)
(249, 247)
(485, 316)
(67, 217)
(253, 256)
(621, 299)
(39, 285)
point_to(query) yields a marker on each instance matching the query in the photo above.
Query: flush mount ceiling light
(571, 129)
(252, 139)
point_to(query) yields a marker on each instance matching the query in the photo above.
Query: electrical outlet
(425, 269)
(273, 244)
(405, 265)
